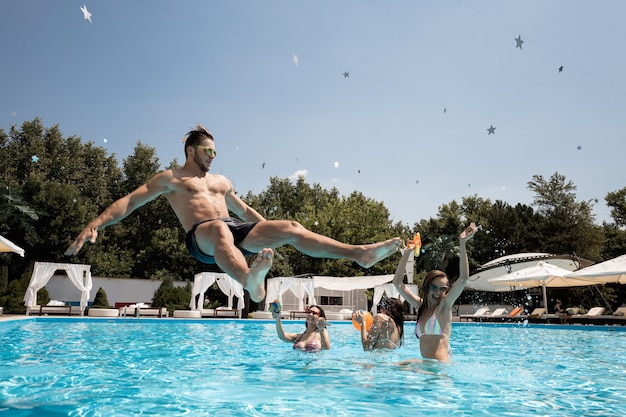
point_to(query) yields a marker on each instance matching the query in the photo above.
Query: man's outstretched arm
(121, 209)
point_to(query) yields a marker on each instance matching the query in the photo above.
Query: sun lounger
(55, 310)
(189, 314)
(595, 316)
(498, 312)
(263, 315)
(224, 312)
(481, 312)
(103, 312)
(595, 312)
(620, 312)
(500, 315)
(138, 311)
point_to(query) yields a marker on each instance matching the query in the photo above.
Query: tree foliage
(100, 300)
(51, 186)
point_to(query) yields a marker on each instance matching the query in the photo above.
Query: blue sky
(407, 125)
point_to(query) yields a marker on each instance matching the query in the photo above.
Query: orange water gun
(416, 244)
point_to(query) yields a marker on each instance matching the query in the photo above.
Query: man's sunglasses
(208, 150)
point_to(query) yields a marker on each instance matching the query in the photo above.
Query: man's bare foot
(256, 277)
(379, 251)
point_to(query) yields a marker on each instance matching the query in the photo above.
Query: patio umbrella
(7, 246)
(611, 271)
(543, 275)
(480, 280)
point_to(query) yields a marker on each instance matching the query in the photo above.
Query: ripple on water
(87, 368)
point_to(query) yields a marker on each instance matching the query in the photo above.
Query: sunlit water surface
(169, 367)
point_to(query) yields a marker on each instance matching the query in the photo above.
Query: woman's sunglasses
(435, 288)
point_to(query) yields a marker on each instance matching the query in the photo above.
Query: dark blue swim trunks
(238, 228)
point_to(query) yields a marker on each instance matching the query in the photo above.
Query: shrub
(100, 300)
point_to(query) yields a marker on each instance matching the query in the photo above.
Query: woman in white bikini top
(434, 323)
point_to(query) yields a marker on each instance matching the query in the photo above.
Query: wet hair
(428, 279)
(394, 307)
(197, 135)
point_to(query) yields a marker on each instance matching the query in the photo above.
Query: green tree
(172, 297)
(101, 300)
(567, 226)
(616, 200)
(354, 219)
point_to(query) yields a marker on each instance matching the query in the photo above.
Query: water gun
(275, 307)
(416, 244)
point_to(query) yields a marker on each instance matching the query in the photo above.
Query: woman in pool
(315, 336)
(387, 329)
(434, 314)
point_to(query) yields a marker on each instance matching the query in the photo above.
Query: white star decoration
(86, 13)
(336, 164)
(294, 59)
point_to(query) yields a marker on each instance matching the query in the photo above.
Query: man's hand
(90, 233)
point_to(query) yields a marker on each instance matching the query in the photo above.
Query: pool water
(152, 367)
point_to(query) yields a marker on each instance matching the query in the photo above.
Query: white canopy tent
(350, 283)
(7, 246)
(543, 275)
(480, 280)
(203, 281)
(611, 271)
(300, 287)
(391, 292)
(79, 275)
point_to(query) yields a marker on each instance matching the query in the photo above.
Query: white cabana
(203, 281)
(79, 275)
(7, 246)
(391, 292)
(300, 287)
(350, 283)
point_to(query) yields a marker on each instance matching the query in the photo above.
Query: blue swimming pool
(169, 367)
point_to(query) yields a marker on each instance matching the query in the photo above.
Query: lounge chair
(103, 312)
(478, 314)
(263, 315)
(498, 312)
(620, 312)
(593, 316)
(225, 312)
(500, 315)
(188, 314)
(595, 312)
(141, 309)
(538, 315)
